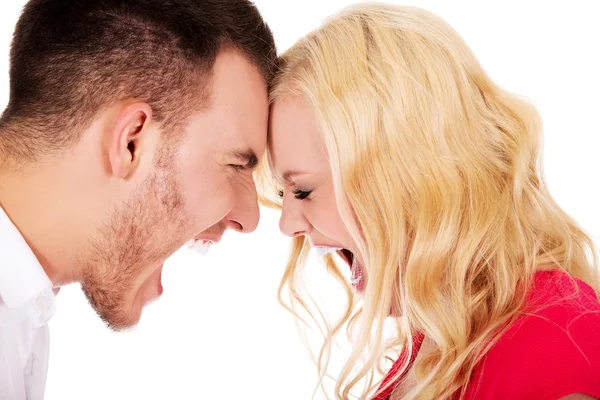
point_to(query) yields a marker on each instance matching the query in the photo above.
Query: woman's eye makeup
(298, 193)
(301, 194)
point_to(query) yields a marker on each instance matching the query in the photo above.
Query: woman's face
(301, 165)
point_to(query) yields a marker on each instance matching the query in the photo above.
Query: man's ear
(125, 138)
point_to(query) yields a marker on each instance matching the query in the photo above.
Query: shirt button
(43, 304)
(44, 307)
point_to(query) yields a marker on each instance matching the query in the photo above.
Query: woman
(391, 148)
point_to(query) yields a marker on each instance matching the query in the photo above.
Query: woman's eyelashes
(298, 193)
(301, 194)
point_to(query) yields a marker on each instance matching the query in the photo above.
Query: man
(132, 127)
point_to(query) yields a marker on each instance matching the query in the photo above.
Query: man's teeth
(200, 246)
(323, 251)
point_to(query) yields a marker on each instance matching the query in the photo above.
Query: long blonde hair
(437, 176)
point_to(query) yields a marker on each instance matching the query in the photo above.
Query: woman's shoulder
(553, 348)
(558, 307)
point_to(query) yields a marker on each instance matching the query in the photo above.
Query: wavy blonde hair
(437, 176)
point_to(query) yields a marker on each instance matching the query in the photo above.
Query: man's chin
(118, 315)
(152, 288)
(122, 321)
(119, 303)
(148, 293)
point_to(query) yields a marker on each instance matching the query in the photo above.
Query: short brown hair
(70, 58)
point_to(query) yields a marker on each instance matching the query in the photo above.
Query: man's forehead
(240, 102)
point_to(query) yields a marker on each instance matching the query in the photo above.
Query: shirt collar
(22, 278)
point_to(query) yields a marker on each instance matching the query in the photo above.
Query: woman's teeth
(200, 246)
(357, 274)
(323, 251)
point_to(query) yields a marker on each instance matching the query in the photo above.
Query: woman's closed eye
(298, 193)
(301, 194)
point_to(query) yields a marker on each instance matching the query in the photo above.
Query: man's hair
(70, 58)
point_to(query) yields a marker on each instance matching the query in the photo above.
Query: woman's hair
(437, 176)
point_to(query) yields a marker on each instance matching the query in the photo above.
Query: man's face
(201, 188)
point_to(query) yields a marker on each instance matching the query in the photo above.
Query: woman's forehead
(295, 144)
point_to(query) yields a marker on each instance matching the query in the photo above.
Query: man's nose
(245, 214)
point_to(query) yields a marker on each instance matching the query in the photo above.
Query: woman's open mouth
(356, 268)
(357, 278)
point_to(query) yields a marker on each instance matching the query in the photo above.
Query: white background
(218, 331)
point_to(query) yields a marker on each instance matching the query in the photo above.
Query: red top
(551, 351)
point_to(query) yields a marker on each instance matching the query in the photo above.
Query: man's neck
(31, 197)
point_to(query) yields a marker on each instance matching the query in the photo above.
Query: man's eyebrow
(248, 156)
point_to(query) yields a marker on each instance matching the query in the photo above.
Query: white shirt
(27, 303)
